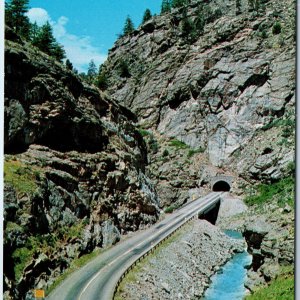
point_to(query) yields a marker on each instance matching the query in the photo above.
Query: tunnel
(221, 186)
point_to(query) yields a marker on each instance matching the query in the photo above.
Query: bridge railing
(154, 247)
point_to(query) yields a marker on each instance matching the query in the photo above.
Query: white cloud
(79, 49)
(38, 15)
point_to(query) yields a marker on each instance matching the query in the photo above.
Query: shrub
(144, 132)
(194, 151)
(281, 191)
(178, 144)
(165, 153)
(276, 28)
(171, 208)
(124, 68)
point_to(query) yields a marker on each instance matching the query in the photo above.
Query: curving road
(97, 279)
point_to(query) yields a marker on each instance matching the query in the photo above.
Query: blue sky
(87, 29)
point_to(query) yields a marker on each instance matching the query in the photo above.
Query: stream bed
(228, 283)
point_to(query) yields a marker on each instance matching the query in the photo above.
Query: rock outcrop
(229, 91)
(74, 170)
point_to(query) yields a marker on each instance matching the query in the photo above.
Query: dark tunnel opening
(221, 186)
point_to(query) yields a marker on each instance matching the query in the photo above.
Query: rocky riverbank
(182, 269)
(269, 233)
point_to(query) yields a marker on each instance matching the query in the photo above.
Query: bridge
(98, 279)
(221, 182)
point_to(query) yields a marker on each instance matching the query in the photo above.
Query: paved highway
(97, 279)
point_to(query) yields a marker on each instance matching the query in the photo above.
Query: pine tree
(92, 72)
(45, 40)
(69, 65)
(178, 3)
(165, 6)
(34, 31)
(15, 16)
(128, 27)
(147, 15)
(58, 52)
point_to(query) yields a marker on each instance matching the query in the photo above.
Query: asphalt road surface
(97, 279)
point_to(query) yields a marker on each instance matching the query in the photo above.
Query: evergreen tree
(34, 31)
(102, 80)
(188, 30)
(92, 72)
(147, 15)
(15, 16)
(45, 40)
(165, 6)
(178, 3)
(128, 27)
(69, 65)
(58, 52)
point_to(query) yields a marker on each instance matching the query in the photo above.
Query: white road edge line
(125, 253)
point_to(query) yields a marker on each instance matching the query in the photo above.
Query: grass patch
(178, 144)
(280, 288)
(171, 208)
(144, 132)
(281, 191)
(23, 178)
(195, 151)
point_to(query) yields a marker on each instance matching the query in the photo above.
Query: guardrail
(153, 248)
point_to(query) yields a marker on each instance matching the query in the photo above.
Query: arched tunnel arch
(221, 186)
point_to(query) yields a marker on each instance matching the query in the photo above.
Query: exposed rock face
(84, 168)
(222, 92)
(270, 238)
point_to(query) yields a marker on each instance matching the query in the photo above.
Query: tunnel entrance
(221, 186)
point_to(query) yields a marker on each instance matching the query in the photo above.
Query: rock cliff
(74, 170)
(83, 166)
(229, 90)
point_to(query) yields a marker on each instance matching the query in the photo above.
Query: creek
(228, 282)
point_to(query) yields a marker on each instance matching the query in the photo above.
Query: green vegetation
(15, 16)
(165, 6)
(171, 208)
(195, 151)
(43, 244)
(91, 72)
(178, 144)
(288, 128)
(123, 68)
(280, 288)
(102, 79)
(41, 37)
(75, 265)
(147, 16)
(276, 29)
(23, 178)
(165, 153)
(128, 27)
(282, 192)
(144, 132)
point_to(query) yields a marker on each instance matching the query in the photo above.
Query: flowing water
(228, 284)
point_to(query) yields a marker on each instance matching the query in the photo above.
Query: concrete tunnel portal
(221, 186)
